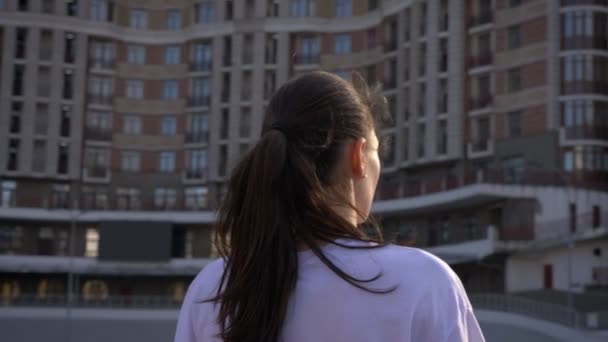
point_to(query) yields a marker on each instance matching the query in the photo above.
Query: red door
(548, 276)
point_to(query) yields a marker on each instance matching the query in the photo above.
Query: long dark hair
(279, 198)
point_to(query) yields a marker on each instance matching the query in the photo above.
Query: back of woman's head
(282, 195)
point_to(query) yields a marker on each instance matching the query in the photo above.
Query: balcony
(200, 66)
(481, 102)
(481, 19)
(197, 137)
(598, 42)
(586, 132)
(101, 63)
(390, 46)
(199, 101)
(307, 59)
(585, 87)
(199, 174)
(97, 171)
(101, 99)
(96, 133)
(566, 3)
(483, 59)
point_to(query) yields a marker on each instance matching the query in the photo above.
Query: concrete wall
(525, 271)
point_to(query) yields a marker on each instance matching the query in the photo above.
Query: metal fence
(133, 302)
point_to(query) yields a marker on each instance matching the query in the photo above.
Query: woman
(297, 264)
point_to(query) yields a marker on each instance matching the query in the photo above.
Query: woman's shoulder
(206, 282)
(415, 262)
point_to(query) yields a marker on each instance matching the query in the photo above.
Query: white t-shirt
(429, 304)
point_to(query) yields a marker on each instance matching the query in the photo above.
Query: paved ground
(54, 330)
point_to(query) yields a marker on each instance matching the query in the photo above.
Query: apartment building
(135, 111)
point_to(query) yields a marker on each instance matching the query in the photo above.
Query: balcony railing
(101, 99)
(481, 19)
(585, 87)
(481, 102)
(97, 171)
(201, 66)
(390, 45)
(197, 137)
(196, 174)
(79, 301)
(95, 133)
(481, 145)
(101, 63)
(597, 41)
(408, 188)
(586, 132)
(481, 60)
(199, 101)
(584, 2)
(307, 59)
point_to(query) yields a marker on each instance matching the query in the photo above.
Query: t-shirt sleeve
(197, 318)
(443, 312)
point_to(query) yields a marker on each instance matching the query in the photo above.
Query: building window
(387, 149)
(344, 8)
(224, 124)
(197, 163)
(309, 50)
(91, 248)
(172, 54)
(138, 19)
(101, 10)
(223, 161)
(514, 33)
(245, 122)
(442, 137)
(200, 92)
(41, 120)
(421, 135)
(130, 161)
(205, 12)
(8, 193)
(63, 158)
(165, 198)
(514, 123)
(342, 44)
(136, 54)
(45, 48)
(202, 57)
(421, 99)
(270, 81)
(65, 122)
(18, 78)
(48, 6)
(443, 96)
(422, 60)
(168, 125)
(11, 237)
(131, 124)
(199, 128)
(444, 15)
(128, 198)
(167, 161)
(196, 197)
(174, 19)
(514, 79)
(23, 5)
(170, 90)
(12, 162)
(248, 49)
(21, 43)
(246, 86)
(135, 89)
(70, 48)
(15, 119)
(514, 3)
(406, 144)
(71, 8)
(443, 55)
(303, 8)
(406, 25)
(68, 84)
(422, 19)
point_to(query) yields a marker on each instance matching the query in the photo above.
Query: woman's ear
(358, 158)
